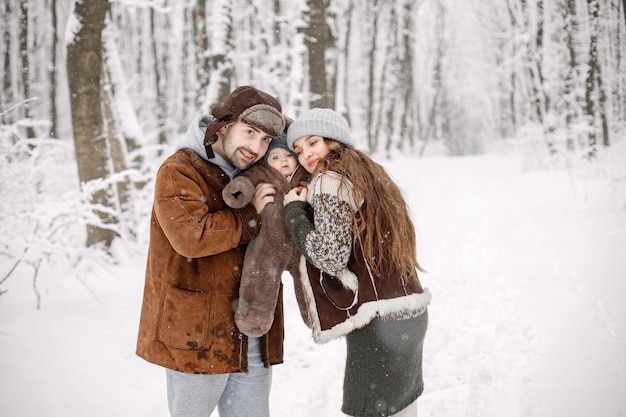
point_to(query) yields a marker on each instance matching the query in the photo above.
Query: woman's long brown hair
(383, 222)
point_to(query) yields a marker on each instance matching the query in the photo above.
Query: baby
(281, 158)
(273, 250)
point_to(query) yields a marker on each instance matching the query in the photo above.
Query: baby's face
(282, 161)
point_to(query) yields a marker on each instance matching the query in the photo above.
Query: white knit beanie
(320, 122)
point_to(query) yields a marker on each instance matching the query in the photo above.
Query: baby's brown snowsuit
(270, 253)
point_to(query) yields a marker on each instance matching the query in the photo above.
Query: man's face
(242, 144)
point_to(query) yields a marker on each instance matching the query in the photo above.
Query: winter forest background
(107, 85)
(95, 94)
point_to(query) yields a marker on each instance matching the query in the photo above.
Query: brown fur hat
(249, 105)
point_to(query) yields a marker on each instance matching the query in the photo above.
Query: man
(194, 265)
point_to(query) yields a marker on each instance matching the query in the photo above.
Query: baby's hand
(296, 194)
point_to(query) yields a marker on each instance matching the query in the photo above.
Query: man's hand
(263, 194)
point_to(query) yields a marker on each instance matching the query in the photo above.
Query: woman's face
(310, 149)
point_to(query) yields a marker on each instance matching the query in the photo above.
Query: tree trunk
(345, 56)
(513, 90)
(158, 61)
(6, 99)
(393, 81)
(604, 124)
(25, 61)
(616, 65)
(115, 140)
(540, 53)
(52, 73)
(438, 110)
(84, 70)
(547, 124)
(220, 62)
(371, 100)
(201, 42)
(532, 62)
(410, 115)
(316, 42)
(602, 108)
(120, 141)
(568, 79)
(590, 81)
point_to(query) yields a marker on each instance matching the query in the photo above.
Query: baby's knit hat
(281, 142)
(249, 105)
(326, 123)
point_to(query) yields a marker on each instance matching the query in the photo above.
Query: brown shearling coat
(193, 274)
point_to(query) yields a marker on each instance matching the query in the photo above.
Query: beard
(240, 157)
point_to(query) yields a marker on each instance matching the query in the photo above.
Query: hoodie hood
(194, 139)
(194, 136)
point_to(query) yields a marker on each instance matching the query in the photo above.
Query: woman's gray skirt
(384, 366)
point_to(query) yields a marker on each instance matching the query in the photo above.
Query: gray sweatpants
(234, 395)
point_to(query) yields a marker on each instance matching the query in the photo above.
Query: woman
(359, 269)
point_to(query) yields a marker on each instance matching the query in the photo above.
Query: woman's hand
(296, 194)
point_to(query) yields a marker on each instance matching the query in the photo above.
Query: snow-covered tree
(116, 82)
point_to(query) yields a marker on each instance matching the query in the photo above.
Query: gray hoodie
(194, 139)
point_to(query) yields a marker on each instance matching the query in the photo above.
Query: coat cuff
(250, 223)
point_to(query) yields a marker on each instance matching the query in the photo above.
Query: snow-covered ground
(527, 270)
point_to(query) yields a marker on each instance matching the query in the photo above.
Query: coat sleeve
(239, 192)
(324, 236)
(194, 219)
